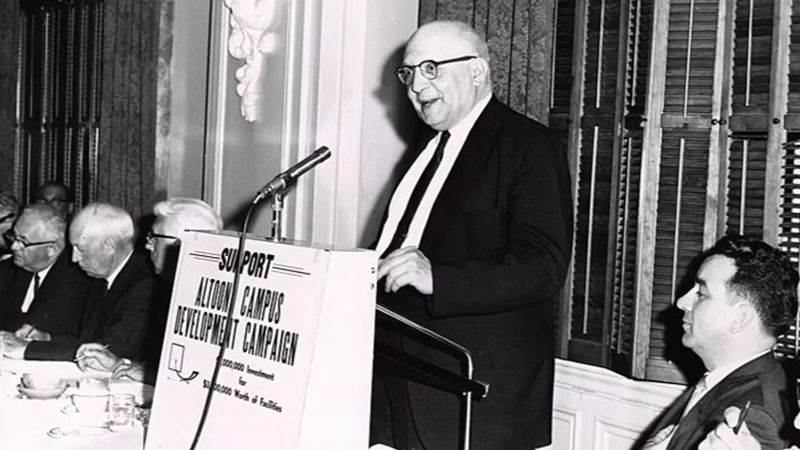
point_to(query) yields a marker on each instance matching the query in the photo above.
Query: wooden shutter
(606, 136)
(707, 162)
(59, 98)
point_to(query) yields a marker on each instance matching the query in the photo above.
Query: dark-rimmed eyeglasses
(11, 238)
(428, 68)
(150, 237)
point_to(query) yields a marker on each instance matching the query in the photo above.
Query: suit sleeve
(529, 259)
(60, 348)
(764, 428)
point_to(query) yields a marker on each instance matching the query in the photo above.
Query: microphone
(285, 179)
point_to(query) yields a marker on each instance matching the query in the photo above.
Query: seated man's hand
(660, 440)
(13, 347)
(97, 357)
(723, 438)
(31, 333)
(128, 370)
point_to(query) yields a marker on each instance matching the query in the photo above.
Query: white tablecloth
(24, 423)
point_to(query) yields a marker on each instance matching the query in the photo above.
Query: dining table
(53, 423)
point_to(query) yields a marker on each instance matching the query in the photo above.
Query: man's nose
(418, 81)
(685, 302)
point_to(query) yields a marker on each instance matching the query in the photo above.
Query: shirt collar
(715, 376)
(113, 275)
(43, 273)
(463, 127)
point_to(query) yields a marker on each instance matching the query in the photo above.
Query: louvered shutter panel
(622, 314)
(594, 180)
(789, 343)
(750, 102)
(59, 117)
(789, 220)
(560, 102)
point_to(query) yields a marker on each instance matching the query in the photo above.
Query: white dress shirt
(397, 205)
(31, 292)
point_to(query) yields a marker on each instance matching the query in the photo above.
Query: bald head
(461, 77)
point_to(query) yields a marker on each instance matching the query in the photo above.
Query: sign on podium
(297, 367)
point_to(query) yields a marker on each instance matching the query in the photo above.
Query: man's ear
(109, 244)
(479, 70)
(744, 316)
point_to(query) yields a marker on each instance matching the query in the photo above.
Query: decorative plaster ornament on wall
(250, 40)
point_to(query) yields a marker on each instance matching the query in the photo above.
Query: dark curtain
(520, 37)
(120, 168)
(126, 159)
(9, 53)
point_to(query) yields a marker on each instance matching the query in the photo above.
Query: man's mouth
(428, 103)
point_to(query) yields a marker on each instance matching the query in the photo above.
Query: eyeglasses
(428, 68)
(11, 238)
(151, 237)
(45, 201)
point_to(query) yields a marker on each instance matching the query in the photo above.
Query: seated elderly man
(40, 288)
(117, 312)
(173, 216)
(9, 208)
(58, 196)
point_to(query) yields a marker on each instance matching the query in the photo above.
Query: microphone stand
(277, 216)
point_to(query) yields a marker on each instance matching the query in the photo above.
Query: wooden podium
(297, 367)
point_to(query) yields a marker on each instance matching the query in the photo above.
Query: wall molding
(250, 39)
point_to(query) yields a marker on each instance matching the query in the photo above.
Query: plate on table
(78, 432)
(43, 394)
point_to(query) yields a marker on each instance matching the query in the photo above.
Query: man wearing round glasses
(475, 245)
(41, 290)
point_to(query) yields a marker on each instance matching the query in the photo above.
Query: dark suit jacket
(58, 304)
(499, 241)
(119, 318)
(772, 399)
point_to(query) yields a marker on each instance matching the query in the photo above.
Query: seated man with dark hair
(744, 297)
(58, 196)
(41, 290)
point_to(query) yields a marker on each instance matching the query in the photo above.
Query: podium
(421, 371)
(297, 365)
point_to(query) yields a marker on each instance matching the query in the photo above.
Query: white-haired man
(173, 217)
(117, 313)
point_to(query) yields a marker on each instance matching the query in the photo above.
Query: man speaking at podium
(475, 246)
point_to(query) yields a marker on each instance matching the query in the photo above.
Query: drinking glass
(122, 410)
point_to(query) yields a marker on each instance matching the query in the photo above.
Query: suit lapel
(21, 283)
(693, 426)
(470, 163)
(673, 414)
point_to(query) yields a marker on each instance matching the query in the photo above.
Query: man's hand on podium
(406, 266)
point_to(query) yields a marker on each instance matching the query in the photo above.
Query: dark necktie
(36, 282)
(416, 195)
